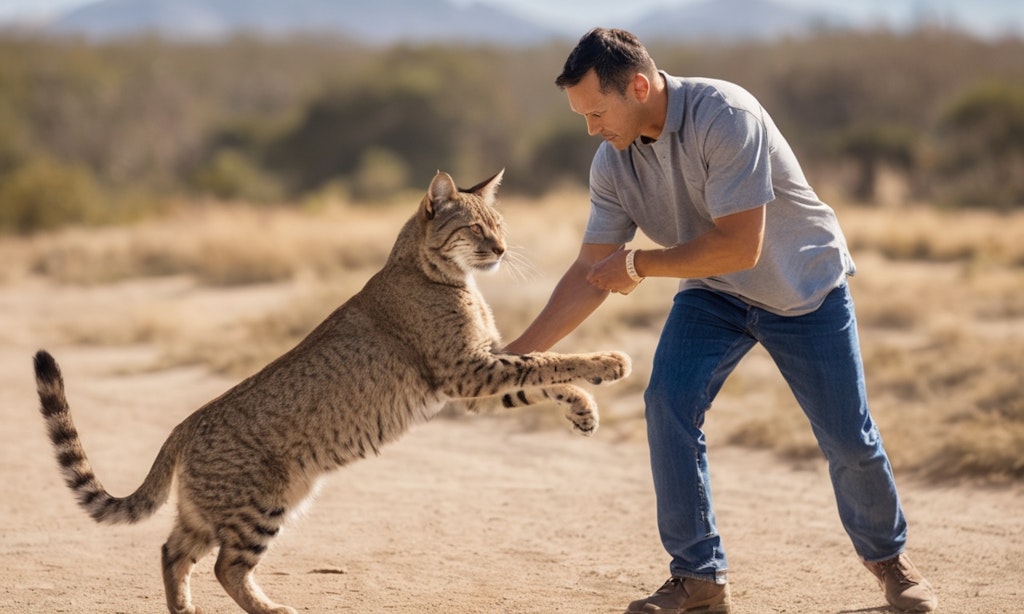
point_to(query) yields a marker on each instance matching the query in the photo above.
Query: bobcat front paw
(611, 366)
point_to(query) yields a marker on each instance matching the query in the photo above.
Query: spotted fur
(417, 336)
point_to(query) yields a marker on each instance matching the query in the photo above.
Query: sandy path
(466, 515)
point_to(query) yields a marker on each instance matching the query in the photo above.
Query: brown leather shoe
(679, 595)
(905, 588)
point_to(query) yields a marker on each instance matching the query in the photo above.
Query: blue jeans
(705, 336)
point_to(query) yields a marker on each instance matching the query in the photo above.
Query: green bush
(44, 194)
(380, 174)
(981, 145)
(263, 120)
(231, 175)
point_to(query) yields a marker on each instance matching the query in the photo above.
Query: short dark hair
(615, 55)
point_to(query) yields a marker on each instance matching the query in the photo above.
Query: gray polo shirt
(718, 154)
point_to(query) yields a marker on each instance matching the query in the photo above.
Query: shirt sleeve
(738, 162)
(609, 222)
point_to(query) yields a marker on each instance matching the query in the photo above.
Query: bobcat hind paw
(584, 424)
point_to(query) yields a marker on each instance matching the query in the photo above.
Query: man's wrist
(631, 266)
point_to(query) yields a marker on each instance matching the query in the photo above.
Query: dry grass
(927, 234)
(222, 246)
(940, 300)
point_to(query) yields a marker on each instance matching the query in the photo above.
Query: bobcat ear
(441, 189)
(488, 188)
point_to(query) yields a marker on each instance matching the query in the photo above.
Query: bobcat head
(463, 233)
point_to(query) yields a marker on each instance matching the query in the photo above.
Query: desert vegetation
(940, 298)
(243, 190)
(101, 133)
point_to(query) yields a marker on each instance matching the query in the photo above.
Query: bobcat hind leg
(242, 545)
(235, 571)
(184, 547)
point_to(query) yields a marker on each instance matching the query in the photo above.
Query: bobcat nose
(498, 250)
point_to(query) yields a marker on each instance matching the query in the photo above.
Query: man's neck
(657, 110)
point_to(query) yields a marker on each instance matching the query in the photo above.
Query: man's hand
(610, 274)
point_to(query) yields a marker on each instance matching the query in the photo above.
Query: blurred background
(111, 108)
(192, 158)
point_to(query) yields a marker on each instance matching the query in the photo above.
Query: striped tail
(75, 467)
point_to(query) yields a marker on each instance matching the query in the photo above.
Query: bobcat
(418, 335)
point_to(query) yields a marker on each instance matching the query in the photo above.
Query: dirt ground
(467, 515)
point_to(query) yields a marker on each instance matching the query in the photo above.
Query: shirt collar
(674, 112)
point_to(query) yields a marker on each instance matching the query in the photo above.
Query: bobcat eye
(477, 229)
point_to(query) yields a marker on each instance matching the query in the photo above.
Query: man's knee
(672, 410)
(853, 448)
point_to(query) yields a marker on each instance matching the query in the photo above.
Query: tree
(562, 155)
(980, 159)
(338, 128)
(44, 194)
(872, 146)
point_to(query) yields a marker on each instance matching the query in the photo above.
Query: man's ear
(641, 87)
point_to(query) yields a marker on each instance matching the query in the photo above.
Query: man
(700, 168)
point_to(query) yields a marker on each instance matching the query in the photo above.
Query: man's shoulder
(706, 95)
(707, 86)
(607, 161)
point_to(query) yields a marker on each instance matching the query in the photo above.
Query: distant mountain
(370, 21)
(733, 20)
(390, 21)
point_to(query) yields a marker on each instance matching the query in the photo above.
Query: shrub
(231, 175)
(44, 194)
(380, 175)
(981, 163)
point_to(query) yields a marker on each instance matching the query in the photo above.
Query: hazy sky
(576, 15)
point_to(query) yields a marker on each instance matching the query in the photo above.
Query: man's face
(616, 118)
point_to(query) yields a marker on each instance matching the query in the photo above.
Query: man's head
(616, 56)
(612, 82)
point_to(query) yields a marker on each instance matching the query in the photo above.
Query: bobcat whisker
(517, 265)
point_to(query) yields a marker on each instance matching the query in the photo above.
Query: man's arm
(572, 301)
(734, 244)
